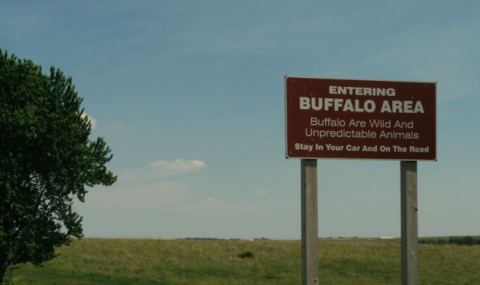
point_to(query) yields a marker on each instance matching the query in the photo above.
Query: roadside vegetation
(209, 262)
(467, 240)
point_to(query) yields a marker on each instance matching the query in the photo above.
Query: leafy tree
(46, 159)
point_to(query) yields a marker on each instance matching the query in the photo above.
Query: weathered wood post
(409, 213)
(309, 222)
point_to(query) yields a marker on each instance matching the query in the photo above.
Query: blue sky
(190, 97)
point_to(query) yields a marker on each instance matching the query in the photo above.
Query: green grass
(209, 262)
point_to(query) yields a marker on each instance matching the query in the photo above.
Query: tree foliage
(46, 159)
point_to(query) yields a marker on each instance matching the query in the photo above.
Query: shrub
(466, 240)
(433, 241)
(246, 254)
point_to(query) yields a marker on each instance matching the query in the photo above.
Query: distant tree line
(466, 240)
(262, 238)
(210, 238)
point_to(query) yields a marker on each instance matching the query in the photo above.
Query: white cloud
(92, 120)
(210, 200)
(154, 195)
(160, 168)
(177, 165)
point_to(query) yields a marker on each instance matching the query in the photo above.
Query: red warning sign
(360, 119)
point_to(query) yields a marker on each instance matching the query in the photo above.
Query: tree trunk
(3, 261)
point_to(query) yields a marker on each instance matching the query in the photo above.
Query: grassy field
(208, 262)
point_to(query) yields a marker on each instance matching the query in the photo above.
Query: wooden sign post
(309, 222)
(409, 221)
